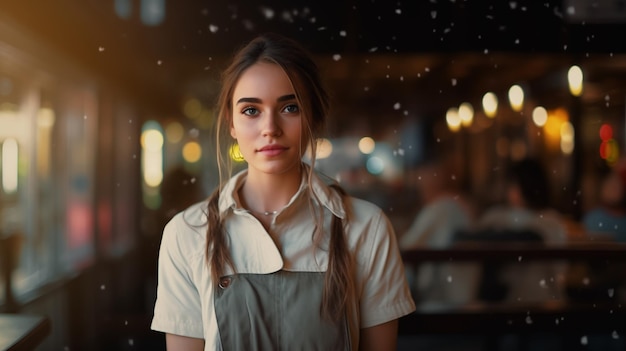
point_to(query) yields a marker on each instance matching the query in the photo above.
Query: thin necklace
(266, 213)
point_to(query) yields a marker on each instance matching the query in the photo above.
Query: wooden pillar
(10, 247)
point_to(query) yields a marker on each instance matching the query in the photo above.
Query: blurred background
(107, 112)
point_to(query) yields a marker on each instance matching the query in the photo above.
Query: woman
(278, 257)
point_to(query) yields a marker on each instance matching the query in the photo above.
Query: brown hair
(314, 105)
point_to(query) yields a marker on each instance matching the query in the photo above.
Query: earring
(235, 153)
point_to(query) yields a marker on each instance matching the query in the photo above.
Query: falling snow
(268, 13)
(290, 15)
(584, 340)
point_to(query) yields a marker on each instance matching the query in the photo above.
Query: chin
(282, 168)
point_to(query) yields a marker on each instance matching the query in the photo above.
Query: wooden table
(503, 252)
(566, 317)
(22, 332)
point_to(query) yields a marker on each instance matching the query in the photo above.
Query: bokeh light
(490, 104)
(575, 80)
(174, 132)
(540, 116)
(453, 120)
(516, 97)
(466, 114)
(324, 149)
(152, 153)
(192, 152)
(367, 145)
(10, 163)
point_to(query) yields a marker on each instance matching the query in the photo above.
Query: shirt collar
(328, 197)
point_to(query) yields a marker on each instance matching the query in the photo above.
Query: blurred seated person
(444, 212)
(525, 209)
(608, 219)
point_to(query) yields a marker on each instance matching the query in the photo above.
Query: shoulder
(359, 209)
(186, 230)
(367, 208)
(366, 221)
(335, 198)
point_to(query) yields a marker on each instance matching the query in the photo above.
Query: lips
(272, 150)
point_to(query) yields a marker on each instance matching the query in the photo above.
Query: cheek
(235, 127)
(240, 129)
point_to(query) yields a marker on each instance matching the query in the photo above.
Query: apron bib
(277, 311)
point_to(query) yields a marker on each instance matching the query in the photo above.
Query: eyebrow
(257, 100)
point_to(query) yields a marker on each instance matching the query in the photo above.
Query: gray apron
(277, 311)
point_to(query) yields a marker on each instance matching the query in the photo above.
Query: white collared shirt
(184, 304)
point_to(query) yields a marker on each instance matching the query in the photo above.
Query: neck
(266, 194)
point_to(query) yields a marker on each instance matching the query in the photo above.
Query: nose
(271, 124)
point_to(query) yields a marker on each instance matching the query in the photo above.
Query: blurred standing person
(444, 213)
(527, 208)
(278, 257)
(608, 219)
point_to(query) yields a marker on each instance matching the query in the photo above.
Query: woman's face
(267, 122)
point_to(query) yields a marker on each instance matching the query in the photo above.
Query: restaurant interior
(107, 109)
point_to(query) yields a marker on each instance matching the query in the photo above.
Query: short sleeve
(177, 308)
(385, 295)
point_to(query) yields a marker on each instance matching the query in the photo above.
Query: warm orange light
(192, 152)
(553, 127)
(540, 116)
(575, 80)
(490, 104)
(466, 114)
(453, 120)
(516, 97)
(367, 145)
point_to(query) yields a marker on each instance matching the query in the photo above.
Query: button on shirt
(185, 293)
